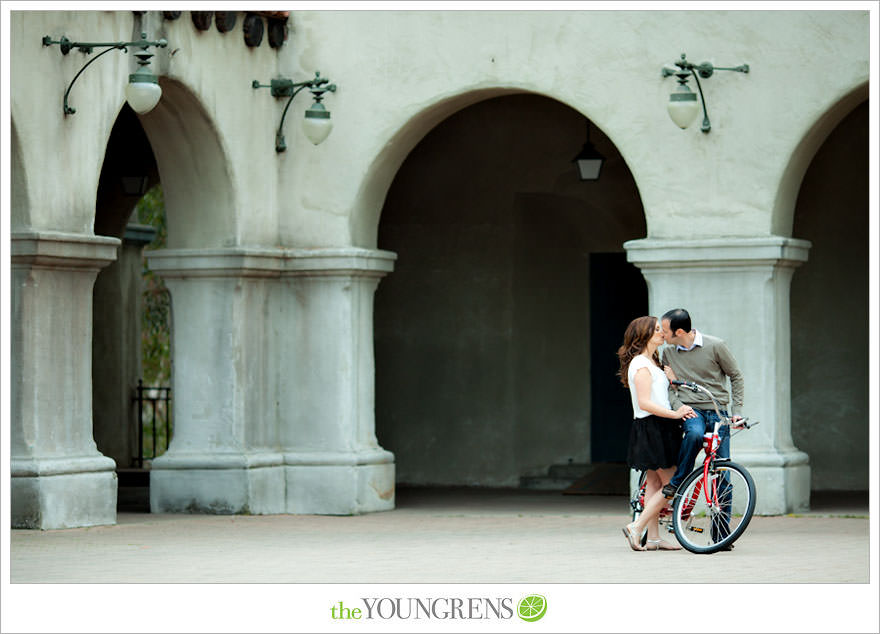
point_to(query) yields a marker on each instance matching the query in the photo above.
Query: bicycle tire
(697, 524)
(635, 505)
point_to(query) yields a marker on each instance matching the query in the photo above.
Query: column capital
(270, 262)
(351, 260)
(717, 252)
(62, 250)
(217, 263)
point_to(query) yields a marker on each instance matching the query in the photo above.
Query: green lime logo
(532, 608)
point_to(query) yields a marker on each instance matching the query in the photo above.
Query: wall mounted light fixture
(682, 105)
(589, 161)
(316, 124)
(142, 91)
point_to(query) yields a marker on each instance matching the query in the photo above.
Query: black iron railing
(153, 418)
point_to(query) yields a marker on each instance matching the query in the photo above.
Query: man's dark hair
(678, 318)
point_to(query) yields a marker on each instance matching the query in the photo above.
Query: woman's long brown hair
(635, 340)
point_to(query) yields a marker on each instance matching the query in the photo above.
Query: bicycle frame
(711, 443)
(637, 503)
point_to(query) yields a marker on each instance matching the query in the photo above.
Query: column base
(782, 480)
(63, 493)
(217, 484)
(339, 484)
(265, 484)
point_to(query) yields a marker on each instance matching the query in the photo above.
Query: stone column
(333, 462)
(58, 477)
(223, 457)
(116, 348)
(738, 289)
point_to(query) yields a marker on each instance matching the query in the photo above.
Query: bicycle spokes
(691, 500)
(713, 507)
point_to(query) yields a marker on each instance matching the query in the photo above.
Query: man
(706, 360)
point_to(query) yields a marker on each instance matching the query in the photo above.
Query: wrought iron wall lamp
(682, 105)
(316, 124)
(142, 91)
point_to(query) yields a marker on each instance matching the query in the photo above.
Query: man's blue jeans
(694, 428)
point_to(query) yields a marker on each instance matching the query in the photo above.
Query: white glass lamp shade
(683, 107)
(589, 169)
(142, 92)
(589, 162)
(317, 124)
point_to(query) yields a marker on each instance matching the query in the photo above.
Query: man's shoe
(669, 491)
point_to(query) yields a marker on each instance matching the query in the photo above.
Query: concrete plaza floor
(443, 536)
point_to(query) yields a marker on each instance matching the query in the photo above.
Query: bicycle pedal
(695, 529)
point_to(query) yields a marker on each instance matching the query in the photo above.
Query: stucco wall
(70, 148)
(208, 158)
(416, 68)
(412, 70)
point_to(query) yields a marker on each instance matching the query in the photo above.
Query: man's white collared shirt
(698, 341)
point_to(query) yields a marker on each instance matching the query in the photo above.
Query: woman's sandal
(659, 544)
(632, 537)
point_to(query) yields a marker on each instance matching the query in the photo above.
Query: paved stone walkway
(790, 573)
(443, 536)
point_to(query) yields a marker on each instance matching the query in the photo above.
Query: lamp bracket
(284, 87)
(88, 47)
(705, 70)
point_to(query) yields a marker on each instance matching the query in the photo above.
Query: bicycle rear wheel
(706, 524)
(637, 503)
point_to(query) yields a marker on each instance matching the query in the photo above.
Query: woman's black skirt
(653, 443)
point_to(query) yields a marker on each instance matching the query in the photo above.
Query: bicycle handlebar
(699, 388)
(689, 384)
(696, 388)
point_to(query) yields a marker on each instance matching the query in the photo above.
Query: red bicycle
(715, 503)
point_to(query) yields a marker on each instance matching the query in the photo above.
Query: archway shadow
(829, 294)
(482, 334)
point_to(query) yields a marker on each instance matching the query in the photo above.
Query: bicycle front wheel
(710, 515)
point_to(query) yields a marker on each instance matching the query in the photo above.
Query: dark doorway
(618, 294)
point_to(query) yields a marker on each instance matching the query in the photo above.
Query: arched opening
(495, 336)
(178, 143)
(829, 311)
(194, 168)
(788, 192)
(128, 174)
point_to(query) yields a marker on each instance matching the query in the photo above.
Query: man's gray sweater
(710, 365)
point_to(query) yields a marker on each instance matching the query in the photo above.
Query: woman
(655, 435)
